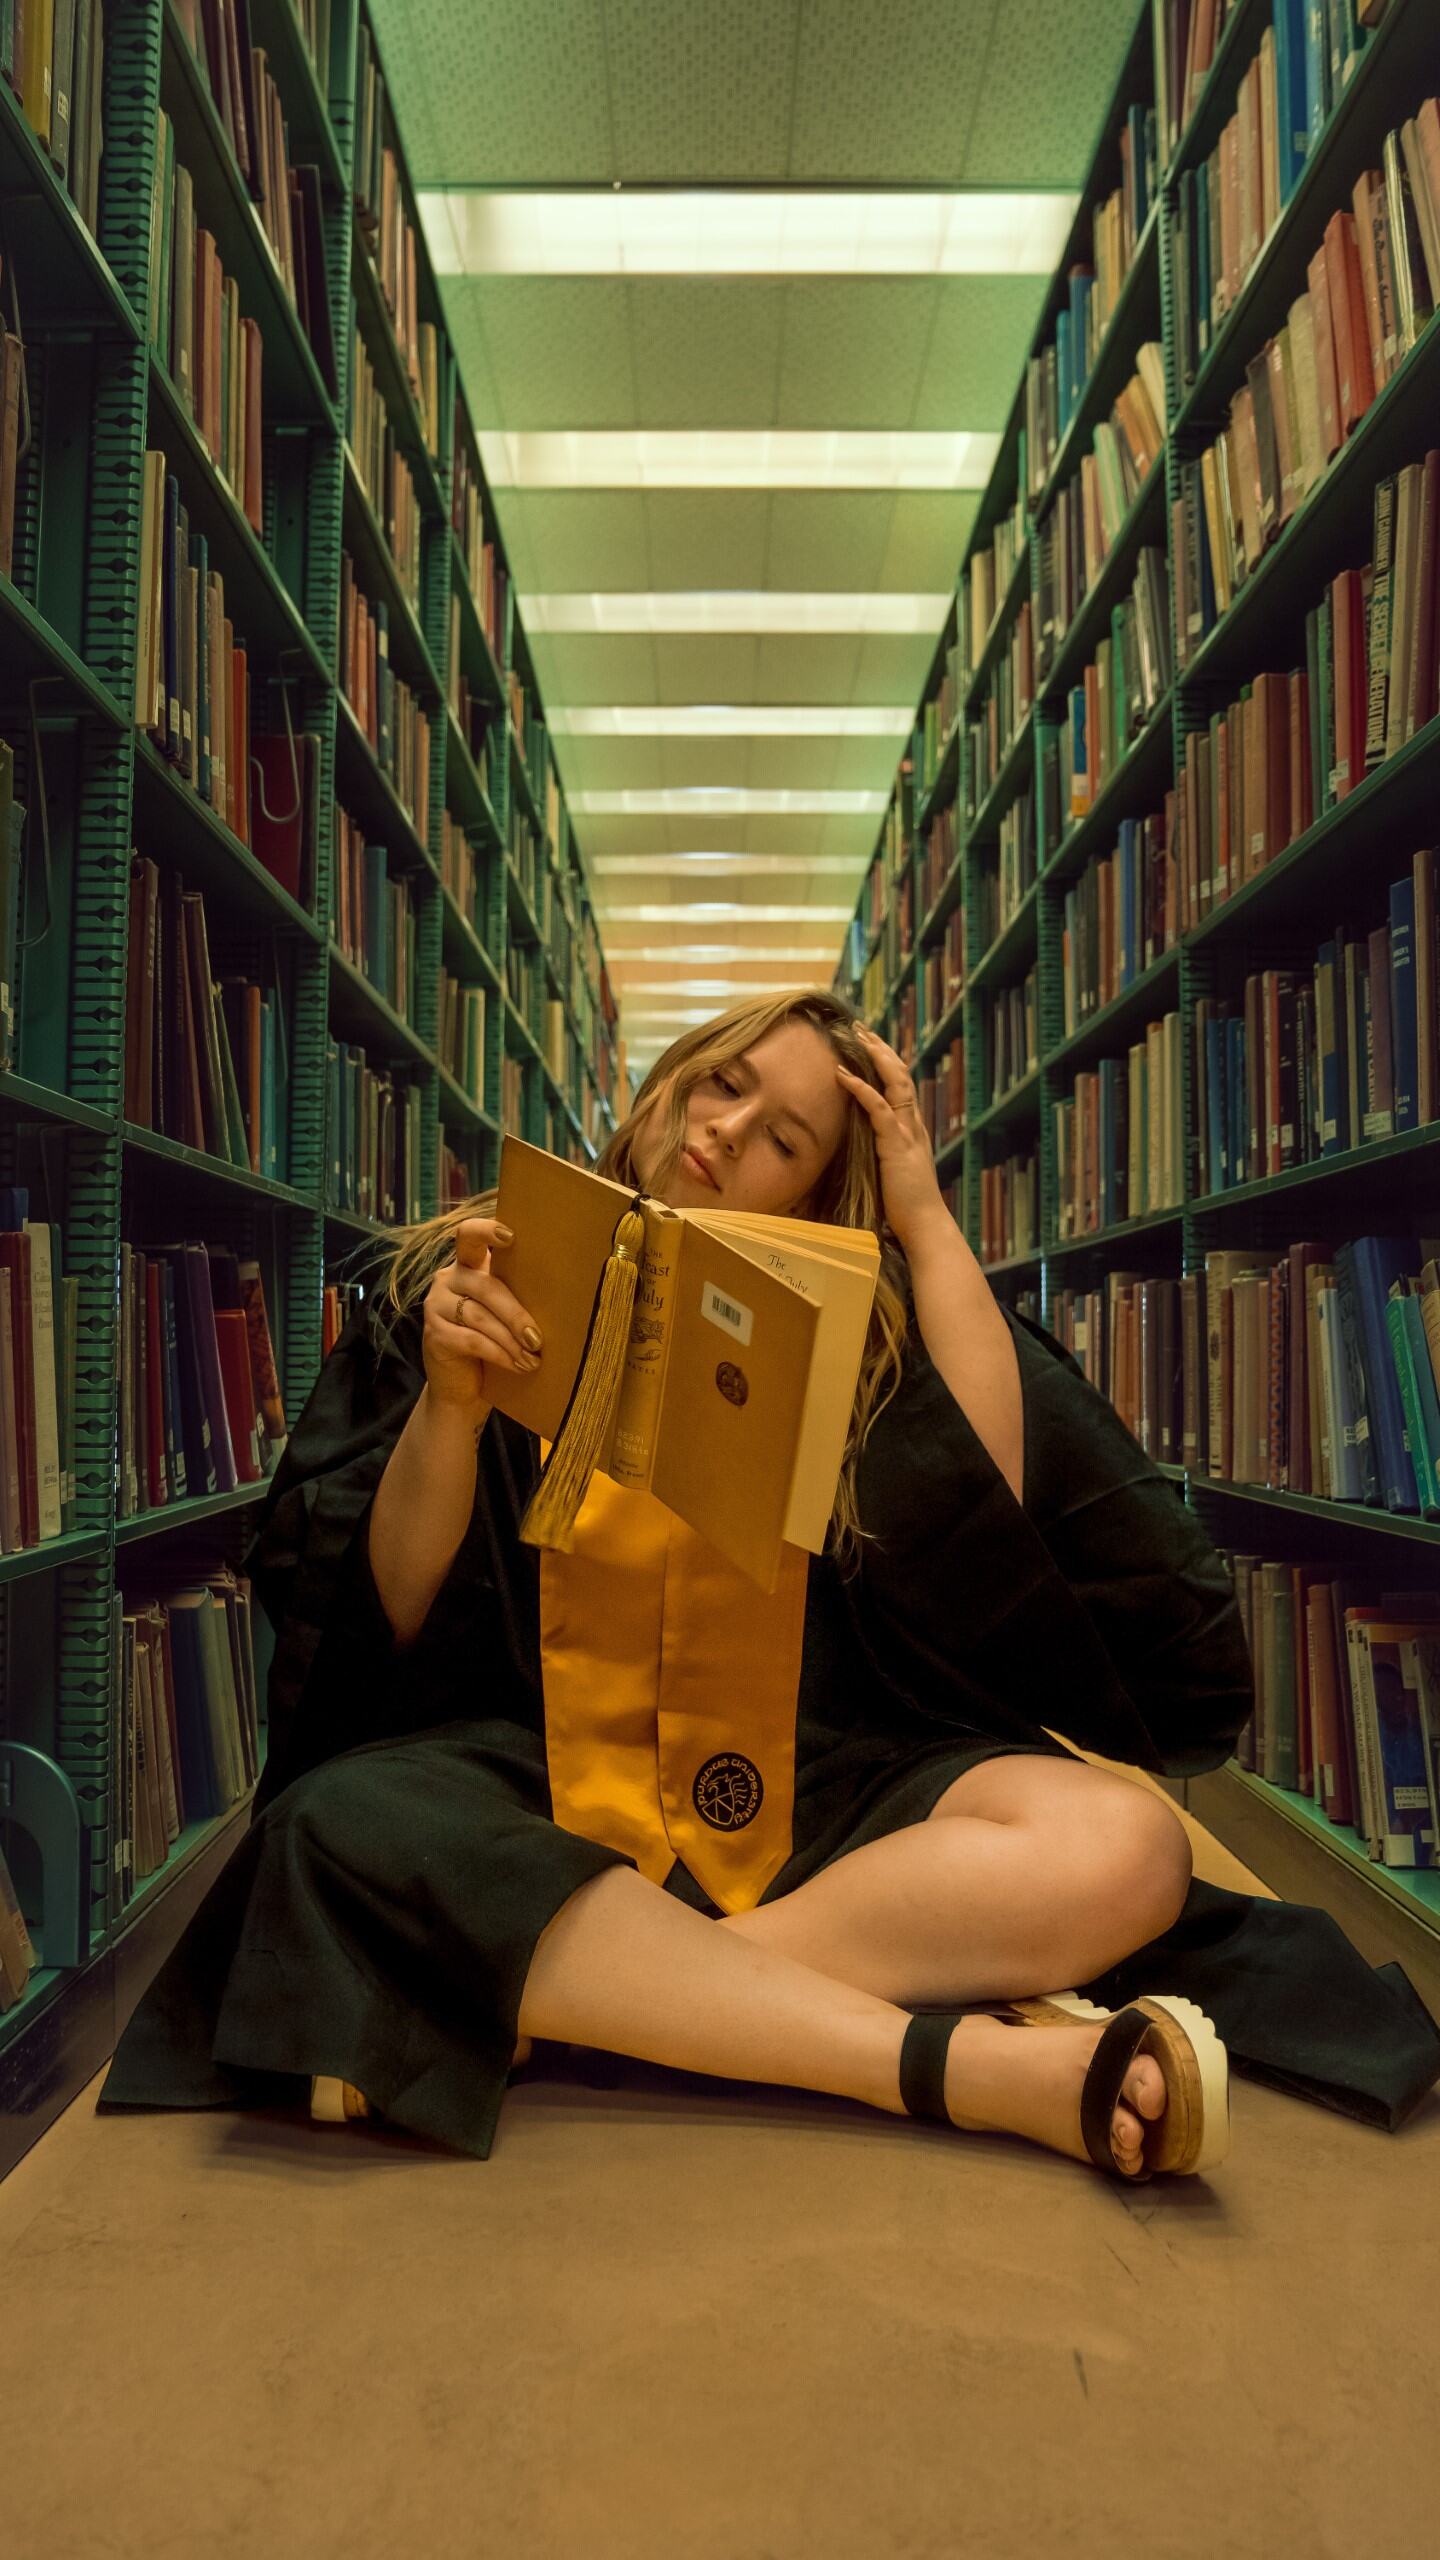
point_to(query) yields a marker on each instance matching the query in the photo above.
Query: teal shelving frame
(1268, 921)
(69, 620)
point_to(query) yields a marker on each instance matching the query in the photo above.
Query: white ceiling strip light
(737, 458)
(705, 865)
(723, 911)
(732, 720)
(621, 955)
(723, 799)
(737, 232)
(737, 609)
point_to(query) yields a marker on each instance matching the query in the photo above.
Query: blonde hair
(847, 1193)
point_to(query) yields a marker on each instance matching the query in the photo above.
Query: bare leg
(1030, 1875)
(625, 1967)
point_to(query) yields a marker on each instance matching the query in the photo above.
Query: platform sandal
(1192, 2135)
(337, 2101)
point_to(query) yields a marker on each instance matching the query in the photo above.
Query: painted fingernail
(531, 1337)
(527, 1361)
(504, 1234)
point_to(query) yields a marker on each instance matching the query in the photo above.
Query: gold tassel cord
(555, 1503)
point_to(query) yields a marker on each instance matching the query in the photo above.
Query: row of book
(940, 1091)
(937, 719)
(372, 917)
(1080, 530)
(1292, 746)
(12, 398)
(287, 200)
(1120, 916)
(1009, 1208)
(1124, 1330)
(460, 1036)
(1347, 1699)
(54, 61)
(1312, 1064)
(388, 711)
(12, 839)
(937, 855)
(489, 578)
(1375, 253)
(1011, 1033)
(907, 1023)
(1056, 377)
(1119, 1136)
(1008, 699)
(373, 1119)
(988, 573)
(1186, 35)
(212, 352)
(192, 674)
(206, 1056)
(942, 969)
(474, 716)
(1323, 1370)
(1304, 392)
(1120, 689)
(389, 234)
(1003, 886)
(200, 1404)
(460, 871)
(381, 468)
(340, 1298)
(39, 1349)
(187, 1713)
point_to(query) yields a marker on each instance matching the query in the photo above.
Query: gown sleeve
(338, 1678)
(1097, 1607)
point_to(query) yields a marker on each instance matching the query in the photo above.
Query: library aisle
(522, 531)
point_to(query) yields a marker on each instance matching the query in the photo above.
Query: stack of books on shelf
(1080, 530)
(205, 1055)
(1119, 1135)
(1126, 1335)
(374, 1119)
(373, 917)
(390, 714)
(1009, 1209)
(54, 61)
(1121, 689)
(988, 575)
(189, 1721)
(391, 235)
(200, 1405)
(1009, 695)
(1057, 375)
(460, 1037)
(39, 1320)
(1120, 916)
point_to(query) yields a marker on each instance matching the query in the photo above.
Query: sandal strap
(1100, 2095)
(925, 2044)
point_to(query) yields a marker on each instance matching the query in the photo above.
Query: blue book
(1236, 1100)
(1404, 1016)
(170, 1397)
(1291, 103)
(1081, 288)
(1317, 69)
(1350, 1348)
(1422, 1434)
(1064, 378)
(1215, 1104)
(1379, 1260)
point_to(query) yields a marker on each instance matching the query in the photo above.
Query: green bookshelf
(1009, 801)
(95, 787)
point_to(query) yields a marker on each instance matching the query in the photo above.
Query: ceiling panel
(800, 667)
(677, 833)
(756, 764)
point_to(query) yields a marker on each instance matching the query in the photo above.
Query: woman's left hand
(912, 1195)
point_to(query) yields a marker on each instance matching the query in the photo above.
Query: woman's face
(759, 1131)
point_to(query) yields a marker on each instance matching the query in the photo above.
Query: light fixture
(726, 911)
(739, 609)
(703, 866)
(724, 799)
(732, 720)
(501, 231)
(737, 458)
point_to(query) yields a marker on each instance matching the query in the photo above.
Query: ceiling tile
(694, 89)
(1044, 88)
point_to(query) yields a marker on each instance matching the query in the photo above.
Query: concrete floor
(674, 2316)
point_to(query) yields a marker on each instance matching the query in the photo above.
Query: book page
(843, 1297)
(741, 1346)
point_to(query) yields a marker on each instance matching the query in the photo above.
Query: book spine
(642, 1381)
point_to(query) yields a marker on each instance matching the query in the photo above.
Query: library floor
(679, 2319)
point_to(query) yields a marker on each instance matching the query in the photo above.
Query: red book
(1354, 374)
(1331, 431)
(1302, 815)
(278, 840)
(232, 1336)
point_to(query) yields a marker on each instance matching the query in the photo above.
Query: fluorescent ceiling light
(686, 954)
(734, 609)
(737, 458)
(733, 720)
(724, 232)
(703, 866)
(723, 799)
(720, 986)
(727, 911)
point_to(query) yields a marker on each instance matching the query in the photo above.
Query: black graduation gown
(377, 1922)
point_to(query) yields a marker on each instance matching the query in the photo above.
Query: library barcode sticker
(727, 1312)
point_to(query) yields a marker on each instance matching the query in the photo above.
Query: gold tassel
(565, 1480)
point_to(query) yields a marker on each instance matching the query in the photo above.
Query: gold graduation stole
(670, 1693)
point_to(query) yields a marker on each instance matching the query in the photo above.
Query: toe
(1144, 2087)
(1126, 2136)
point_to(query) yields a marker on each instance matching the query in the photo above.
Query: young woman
(625, 1799)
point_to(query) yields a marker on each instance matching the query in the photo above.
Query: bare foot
(1019, 2079)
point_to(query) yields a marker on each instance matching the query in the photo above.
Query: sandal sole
(1193, 2135)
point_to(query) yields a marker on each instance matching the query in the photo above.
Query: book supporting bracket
(40, 1798)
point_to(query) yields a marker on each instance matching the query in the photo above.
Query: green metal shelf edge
(1092, 1034)
(1012, 1265)
(1071, 853)
(354, 1224)
(280, 18)
(1311, 183)
(999, 627)
(1355, 1161)
(192, 1160)
(465, 940)
(494, 687)
(42, 1102)
(1312, 1506)
(180, 1515)
(389, 362)
(1415, 1890)
(1249, 18)
(1122, 1232)
(949, 1152)
(403, 836)
(1361, 808)
(54, 656)
(248, 550)
(1088, 408)
(245, 214)
(19, 141)
(477, 817)
(1016, 1103)
(189, 813)
(472, 1115)
(527, 789)
(378, 1010)
(946, 1027)
(76, 1546)
(1089, 623)
(1007, 785)
(947, 773)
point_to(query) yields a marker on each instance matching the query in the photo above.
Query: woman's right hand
(473, 1322)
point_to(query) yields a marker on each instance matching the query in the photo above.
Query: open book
(740, 1372)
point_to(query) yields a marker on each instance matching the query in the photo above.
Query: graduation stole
(670, 1687)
